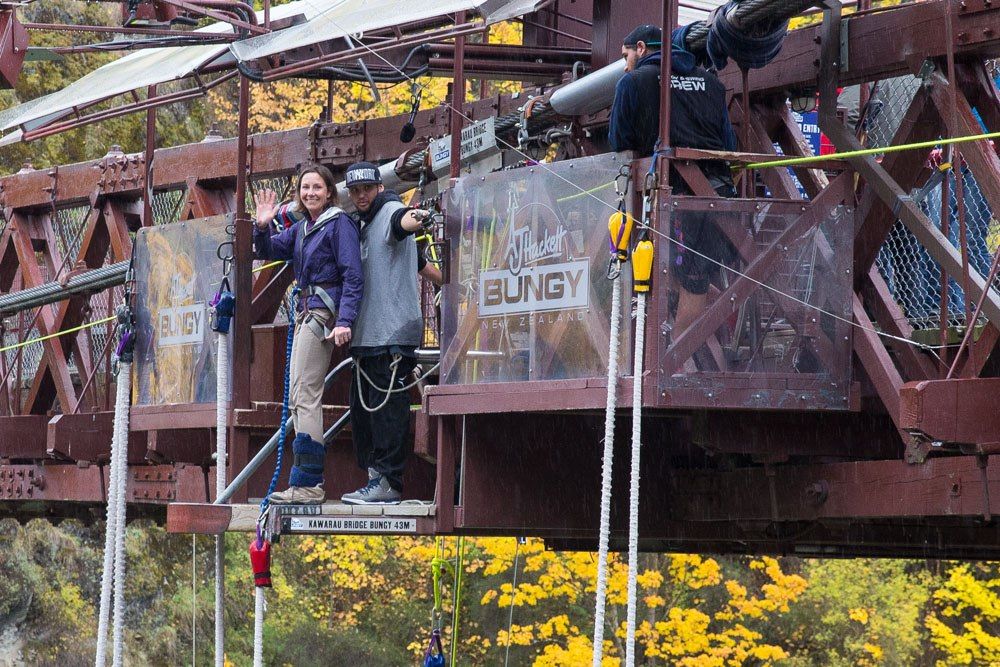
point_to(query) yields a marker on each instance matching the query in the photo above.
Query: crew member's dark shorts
(700, 236)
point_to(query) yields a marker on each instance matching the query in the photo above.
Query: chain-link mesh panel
(913, 277)
(22, 363)
(71, 225)
(167, 206)
(281, 184)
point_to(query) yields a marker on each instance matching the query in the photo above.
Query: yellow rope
(58, 333)
(871, 151)
(268, 266)
(584, 193)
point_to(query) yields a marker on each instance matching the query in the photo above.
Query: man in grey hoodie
(387, 331)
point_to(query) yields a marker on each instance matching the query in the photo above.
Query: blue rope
(284, 401)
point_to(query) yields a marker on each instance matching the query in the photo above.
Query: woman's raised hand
(267, 207)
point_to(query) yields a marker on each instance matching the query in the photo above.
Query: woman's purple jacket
(329, 256)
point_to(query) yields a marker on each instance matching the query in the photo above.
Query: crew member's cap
(648, 34)
(363, 173)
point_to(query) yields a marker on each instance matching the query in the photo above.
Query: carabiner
(622, 181)
(614, 268)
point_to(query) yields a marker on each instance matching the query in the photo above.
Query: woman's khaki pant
(310, 362)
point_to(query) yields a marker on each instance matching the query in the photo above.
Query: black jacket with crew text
(698, 115)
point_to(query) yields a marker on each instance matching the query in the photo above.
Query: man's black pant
(382, 438)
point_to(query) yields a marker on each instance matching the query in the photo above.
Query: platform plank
(208, 519)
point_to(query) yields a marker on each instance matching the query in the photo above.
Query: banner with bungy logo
(528, 297)
(177, 273)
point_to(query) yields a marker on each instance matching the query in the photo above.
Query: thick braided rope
(633, 504)
(606, 467)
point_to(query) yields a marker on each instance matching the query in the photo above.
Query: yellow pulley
(642, 265)
(620, 226)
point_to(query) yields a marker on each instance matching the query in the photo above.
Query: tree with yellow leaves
(690, 613)
(964, 622)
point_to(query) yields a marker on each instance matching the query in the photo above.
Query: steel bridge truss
(896, 459)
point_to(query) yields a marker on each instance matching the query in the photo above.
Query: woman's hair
(327, 177)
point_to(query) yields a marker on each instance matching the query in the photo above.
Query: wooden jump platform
(411, 518)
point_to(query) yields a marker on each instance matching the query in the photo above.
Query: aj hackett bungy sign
(532, 281)
(181, 325)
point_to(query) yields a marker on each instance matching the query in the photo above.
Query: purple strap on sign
(123, 342)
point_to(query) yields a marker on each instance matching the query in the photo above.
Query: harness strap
(305, 460)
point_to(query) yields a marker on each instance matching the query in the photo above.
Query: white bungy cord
(606, 467)
(633, 500)
(258, 626)
(221, 435)
(114, 536)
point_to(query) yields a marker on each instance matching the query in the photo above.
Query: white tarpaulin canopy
(135, 72)
(352, 17)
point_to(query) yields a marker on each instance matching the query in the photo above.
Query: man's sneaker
(299, 495)
(376, 492)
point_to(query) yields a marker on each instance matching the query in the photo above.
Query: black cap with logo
(363, 173)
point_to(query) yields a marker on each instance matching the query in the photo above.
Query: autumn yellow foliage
(965, 621)
(689, 612)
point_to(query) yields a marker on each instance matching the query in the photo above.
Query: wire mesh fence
(71, 224)
(913, 276)
(167, 205)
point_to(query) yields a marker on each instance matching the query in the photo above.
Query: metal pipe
(243, 259)
(120, 30)
(147, 200)
(955, 157)
(748, 175)
(667, 20)
(975, 316)
(246, 17)
(364, 50)
(457, 101)
(498, 70)
(963, 239)
(943, 314)
(588, 94)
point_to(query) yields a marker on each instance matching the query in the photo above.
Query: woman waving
(324, 248)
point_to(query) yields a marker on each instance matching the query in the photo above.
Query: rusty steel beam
(955, 539)
(914, 364)
(881, 45)
(875, 217)
(80, 437)
(274, 153)
(953, 411)
(940, 487)
(876, 361)
(777, 437)
(75, 484)
(52, 380)
(23, 437)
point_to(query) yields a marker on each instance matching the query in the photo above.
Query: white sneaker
(299, 495)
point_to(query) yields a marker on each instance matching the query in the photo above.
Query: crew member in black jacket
(698, 119)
